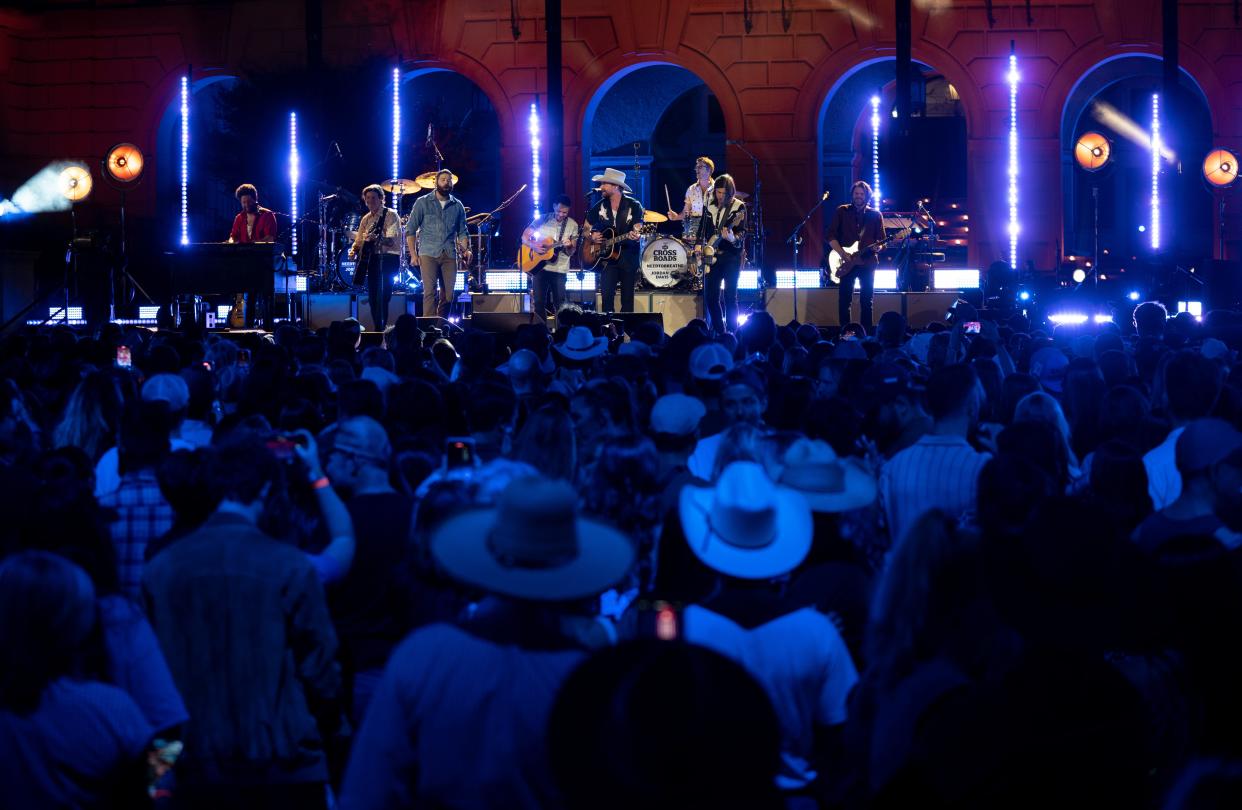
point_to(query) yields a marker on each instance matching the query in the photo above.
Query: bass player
(719, 248)
(857, 222)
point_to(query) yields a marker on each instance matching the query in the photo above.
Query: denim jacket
(243, 624)
(441, 225)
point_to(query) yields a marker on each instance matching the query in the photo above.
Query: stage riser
(819, 306)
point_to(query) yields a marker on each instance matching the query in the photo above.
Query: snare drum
(666, 262)
(351, 226)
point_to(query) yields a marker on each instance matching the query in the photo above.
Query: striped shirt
(936, 472)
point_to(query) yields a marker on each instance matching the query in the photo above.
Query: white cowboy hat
(828, 482)
(533, 545)
(580, 344)
(613, 176)
(746, 526)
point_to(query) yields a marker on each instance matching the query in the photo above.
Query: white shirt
(802, 663)
(391, 229)
(1164, 482)
(936, 472)
(696, 198)
(549, 228)
(703, 459)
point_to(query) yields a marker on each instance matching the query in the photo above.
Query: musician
(254, 223)
(624, 215)
(439, 220)
(724, 217)
(381, 228)
(857, 222)
(698, 195)
(549, 281)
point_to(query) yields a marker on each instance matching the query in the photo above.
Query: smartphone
(972, 327)
(282, 445)
(458, 452)
(848, 333)
(243, 357)
(123, 357)
(207, 365)
(659, 619)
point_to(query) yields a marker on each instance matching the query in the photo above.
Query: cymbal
(400, 185)
(476, 219)
(427, 180)
(741, 195)
(654, 216)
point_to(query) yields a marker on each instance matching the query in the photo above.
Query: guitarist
(378, 250)
(549, 279)
(721, 228)
(624, 215)
(857, 222)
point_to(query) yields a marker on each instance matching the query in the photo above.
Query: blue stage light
(294, 175)
(875, 151)
(535, 145)
(1013, 157)
(185, 160)
(1155, 171)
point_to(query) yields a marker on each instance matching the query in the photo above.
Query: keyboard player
(254, 223)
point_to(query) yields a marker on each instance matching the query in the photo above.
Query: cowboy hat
(580, 344)
(829, 483)
(612, 176)
(746, 526)
(533, 545)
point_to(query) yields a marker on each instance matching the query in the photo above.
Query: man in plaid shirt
(143, 514)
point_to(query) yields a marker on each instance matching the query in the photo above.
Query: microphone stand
(490, 216)
(757, 207)
(795, 238)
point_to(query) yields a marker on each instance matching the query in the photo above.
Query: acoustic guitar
(610, 249)
(532, 256)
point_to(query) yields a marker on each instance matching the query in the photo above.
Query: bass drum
(666, 262)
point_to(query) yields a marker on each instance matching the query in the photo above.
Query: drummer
(697, 197)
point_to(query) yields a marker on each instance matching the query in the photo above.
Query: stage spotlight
(1071, 318)
(1195, 308)
(1093, 151)
(1102, 318)
(1133, 295)
(123, 165)
(76, 183)
(1080, 275)
(1024, 296)
(1220, 168)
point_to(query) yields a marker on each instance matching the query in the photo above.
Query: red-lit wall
(74, 82)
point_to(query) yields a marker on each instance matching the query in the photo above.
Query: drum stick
(667, 199)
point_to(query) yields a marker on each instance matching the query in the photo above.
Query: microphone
(329, 197)
(734, 142)
(428, 134)
(826, 193)
(337, 147)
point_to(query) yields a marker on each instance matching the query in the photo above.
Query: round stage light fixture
(75, 182)
(1080, 275)
(1092, 151)
(1220, 168)
(123, 164)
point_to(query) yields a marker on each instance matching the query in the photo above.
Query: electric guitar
(609, 249)
(532, 256)
(710, 251)
(838, 267)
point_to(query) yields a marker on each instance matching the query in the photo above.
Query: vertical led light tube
(1013, 158)
(396, 128)
(1155, 171)
(875, 151)
(185, 160)
(535, 145)
(294, 174)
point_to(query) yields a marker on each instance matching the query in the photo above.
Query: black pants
(720, 281)
(625, 275)
(379, 288)
(544, 285)
(866, 290)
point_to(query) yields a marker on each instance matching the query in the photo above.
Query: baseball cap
(884, 382)
(711, 361)
(676, 414)
(1049, 365)
(168, 388)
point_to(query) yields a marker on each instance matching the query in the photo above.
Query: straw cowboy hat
(612, 176)
(746, 526)
(828, 482)
(533, 545)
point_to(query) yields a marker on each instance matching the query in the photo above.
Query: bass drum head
(665, 262)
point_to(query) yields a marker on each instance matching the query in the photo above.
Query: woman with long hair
(547, 443)
(92, 416)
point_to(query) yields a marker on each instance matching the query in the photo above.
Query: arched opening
(213, 163)
(651, 121)
(936, 164)
(1114, 98)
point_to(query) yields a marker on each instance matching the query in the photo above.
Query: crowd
(779, 568)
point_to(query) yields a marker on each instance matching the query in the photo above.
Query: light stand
(1092, 152)
(1220, 171)
(122, 168)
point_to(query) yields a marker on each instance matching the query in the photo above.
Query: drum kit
(667, 261)
(339, 217)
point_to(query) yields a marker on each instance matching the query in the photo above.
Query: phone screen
(123, 357)
(659, 619)
(282, 445)
(972, 327)
(458, 453)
